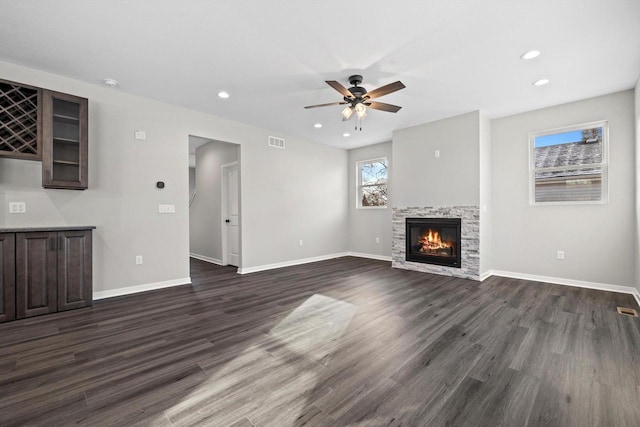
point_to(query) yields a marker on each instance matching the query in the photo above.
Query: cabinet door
(36, 274)
(65, 141)
(74, 270)
(7, 277)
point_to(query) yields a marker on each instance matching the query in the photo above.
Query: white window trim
(358, 181)
(604, 124)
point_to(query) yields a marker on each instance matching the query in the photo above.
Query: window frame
(359, 185)
(604, 165)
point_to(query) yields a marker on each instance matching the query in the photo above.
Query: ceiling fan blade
(384, 90)
(383, 107)
(337, 86)
(325, 105)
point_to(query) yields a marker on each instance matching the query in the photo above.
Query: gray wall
(295, 194)
(637, 174)
(282, 199)
(192, 180)
(486, 222)
(597, 239)
(205, 215)
(419, 179)
(367, 224)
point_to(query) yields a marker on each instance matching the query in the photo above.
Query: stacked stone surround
(470, 236)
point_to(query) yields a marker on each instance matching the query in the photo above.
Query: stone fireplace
(439, 240)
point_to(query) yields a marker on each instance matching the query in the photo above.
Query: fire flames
(432, 242)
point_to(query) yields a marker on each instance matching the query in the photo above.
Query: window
(569, 165)
(372, 183)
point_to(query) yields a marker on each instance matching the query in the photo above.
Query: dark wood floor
(341, 342)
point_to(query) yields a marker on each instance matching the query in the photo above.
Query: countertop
(43, 228)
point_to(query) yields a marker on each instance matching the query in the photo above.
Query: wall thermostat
(160, 184)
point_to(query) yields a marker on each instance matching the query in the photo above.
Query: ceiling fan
(357, 99)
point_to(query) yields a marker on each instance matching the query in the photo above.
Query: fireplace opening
(434, 241)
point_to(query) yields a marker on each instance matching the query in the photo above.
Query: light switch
(167, 208)
(436, 153)
(17, 207)
(140, 135)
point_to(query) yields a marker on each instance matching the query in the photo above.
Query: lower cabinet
(75, 288)
(7, 277)
(36, 263)
(45, 272)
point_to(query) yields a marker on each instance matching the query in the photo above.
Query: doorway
(214, 199)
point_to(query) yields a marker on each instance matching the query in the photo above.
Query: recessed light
(346, 134)
(111, 82)
(223, 95)
(530, 55)
(541, 82)
(317, 125)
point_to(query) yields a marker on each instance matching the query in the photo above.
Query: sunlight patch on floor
(314, 328)
(272, 377)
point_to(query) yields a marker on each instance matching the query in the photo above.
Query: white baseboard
(140, 288)
(206, 259)
(567, 282)
(486, 275)
(247, 270)
(370, 256)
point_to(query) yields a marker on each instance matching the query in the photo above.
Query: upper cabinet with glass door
(65, 141)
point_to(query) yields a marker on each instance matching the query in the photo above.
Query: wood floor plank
(347, 341)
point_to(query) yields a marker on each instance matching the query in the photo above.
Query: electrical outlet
(436, 153)
(560, 255)
(300, 243)
(138, 259)
(17, 207)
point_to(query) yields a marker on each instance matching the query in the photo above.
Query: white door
(231, 214)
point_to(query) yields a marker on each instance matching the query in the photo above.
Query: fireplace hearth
(434, 241)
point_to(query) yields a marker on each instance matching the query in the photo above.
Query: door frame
(223, 206)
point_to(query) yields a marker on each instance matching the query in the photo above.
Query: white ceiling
(273, 56)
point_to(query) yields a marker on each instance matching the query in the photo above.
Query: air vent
(627, 311)
(276, 142)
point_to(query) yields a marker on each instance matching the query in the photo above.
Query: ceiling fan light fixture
(357, 99)
(347, 112)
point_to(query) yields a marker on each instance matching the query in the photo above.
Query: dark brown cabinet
(64, 141)
(7, 277)
(40, 124)
(36, 257)
(74, 270)
(45, 271)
